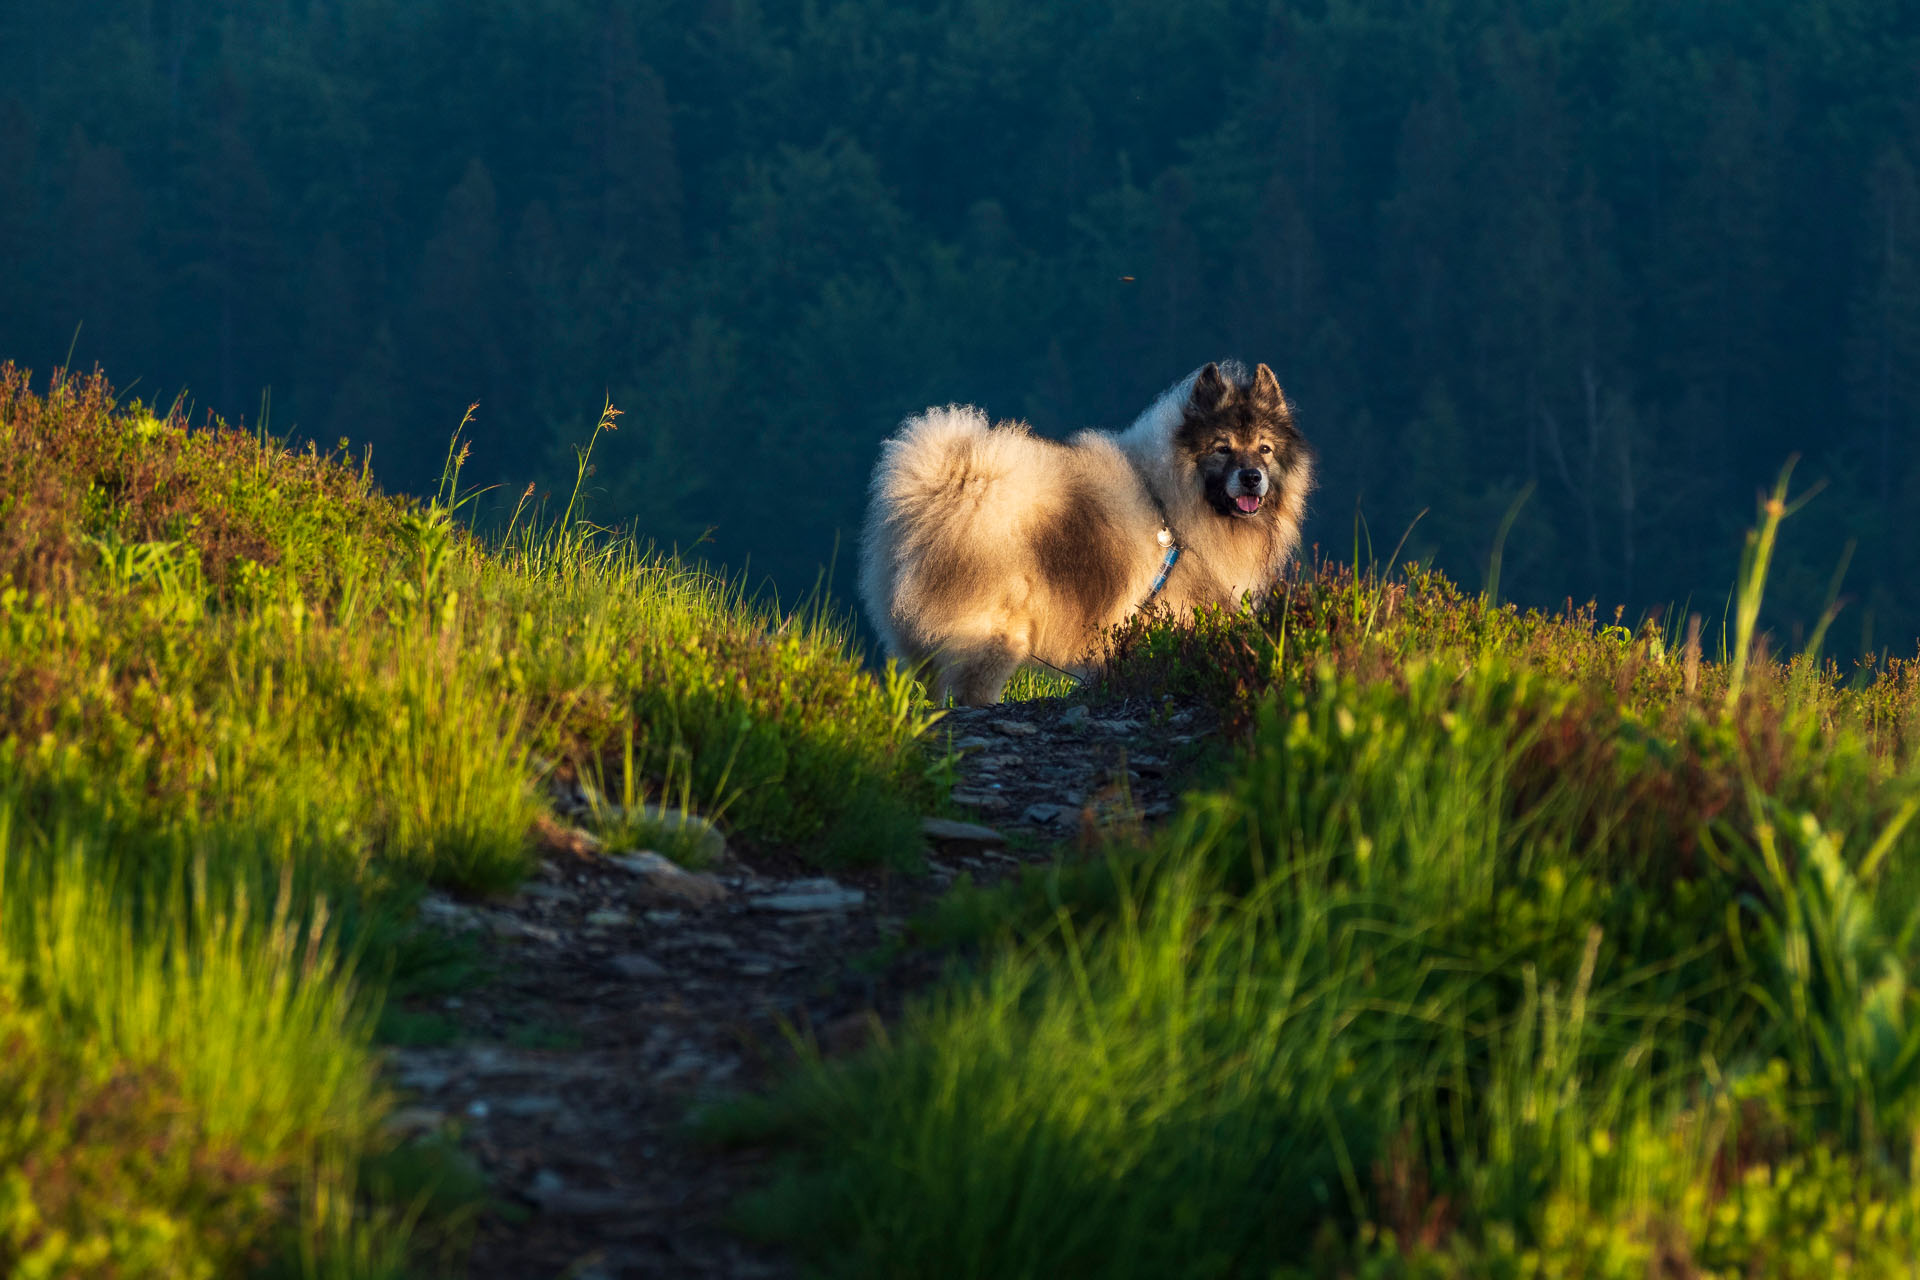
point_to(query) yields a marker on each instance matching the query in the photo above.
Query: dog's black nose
(1250, 479)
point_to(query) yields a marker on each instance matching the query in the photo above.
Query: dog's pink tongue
(1247, 502)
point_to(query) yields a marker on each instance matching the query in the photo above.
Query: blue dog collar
(1166, 539)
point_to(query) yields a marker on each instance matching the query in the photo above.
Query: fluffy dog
(987, 546)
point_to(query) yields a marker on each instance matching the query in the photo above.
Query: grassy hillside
(1504, 945)
(1510, 946)
(249, 705)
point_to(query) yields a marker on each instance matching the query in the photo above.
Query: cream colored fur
(953, 570)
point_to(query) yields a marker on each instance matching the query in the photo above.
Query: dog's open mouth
(1247, 503)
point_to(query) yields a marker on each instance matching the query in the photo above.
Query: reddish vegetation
(72, 471)
(1369, 628)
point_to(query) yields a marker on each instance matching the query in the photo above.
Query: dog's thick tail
(949, 491)
(933, 457)
(919, 514)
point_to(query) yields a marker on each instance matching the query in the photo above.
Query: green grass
(1039, 682)
(1513, 945)
(249, 707)
(1504, 943)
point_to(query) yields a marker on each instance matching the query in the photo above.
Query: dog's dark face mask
(1241, 438)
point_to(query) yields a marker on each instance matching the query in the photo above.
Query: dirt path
(625, 991)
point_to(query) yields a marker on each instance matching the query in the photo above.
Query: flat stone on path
(947, 831)
(802, 896)
(661, 878)
(632, 964)
(1016, 728)
(1048, 814)
(447, 913)
(754, 964)
(514, 929)
(978, 800)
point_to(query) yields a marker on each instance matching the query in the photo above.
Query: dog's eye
(1223, 448)
(1266, 448)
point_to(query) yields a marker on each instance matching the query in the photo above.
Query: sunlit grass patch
(1031, 682)
(1372, 621)
(419, 660)
(187, 1059)
(1502, 950)
(267, 704)
(1395, 978)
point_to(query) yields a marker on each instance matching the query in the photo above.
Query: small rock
(971, 799)
(946, 831)
(1158, 809)
(418, 1071)
(1016, 728)
(608, 919)
(536, 1104)
(513, 928)
(663, 880)
(688, 1062)
(545, 1183)
(488, 1060)
(443, 911)
(1074, 717)
(1117, 726)
(477, 1109)
(1045, 815)
(973, 742)
(819, 894)
(752, 964)
(633, 965)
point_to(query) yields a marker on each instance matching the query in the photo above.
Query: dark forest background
(1632, 252)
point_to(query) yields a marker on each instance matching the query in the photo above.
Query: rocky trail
(622, 990)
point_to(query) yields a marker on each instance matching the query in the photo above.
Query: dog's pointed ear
(1266, 391)
(1210, 390)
